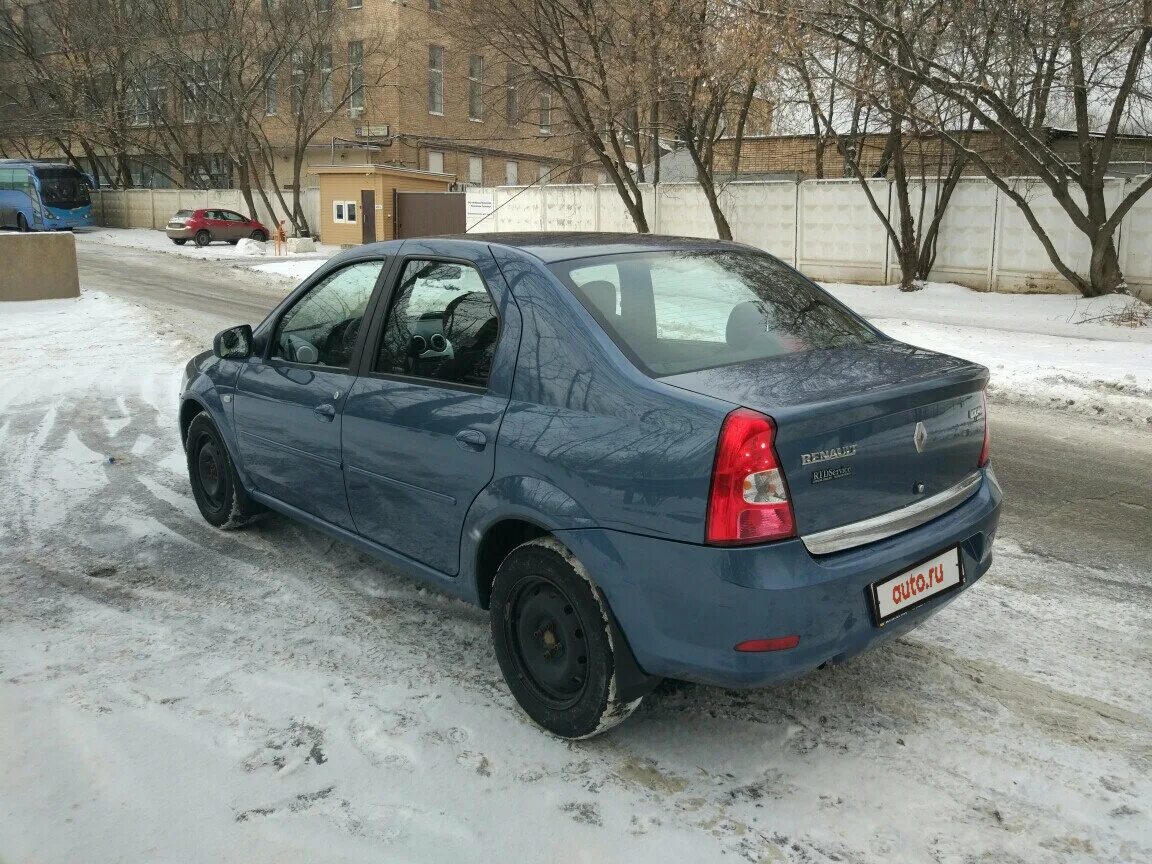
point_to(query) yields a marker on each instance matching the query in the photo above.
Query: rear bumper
(180, 233)
(682, 607)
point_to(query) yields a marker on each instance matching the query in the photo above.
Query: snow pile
(1037, 352)
(250, 247)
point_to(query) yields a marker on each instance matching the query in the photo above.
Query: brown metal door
(368, 215)
(426, 214)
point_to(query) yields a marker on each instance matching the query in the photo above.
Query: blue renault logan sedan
(647, 456)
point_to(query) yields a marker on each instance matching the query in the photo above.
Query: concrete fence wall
(151, 208)
(827, 228)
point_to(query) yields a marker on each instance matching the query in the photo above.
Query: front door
(420, 425)
(288, 404)
(368, 215)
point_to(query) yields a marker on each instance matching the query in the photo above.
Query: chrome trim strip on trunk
(888, 524)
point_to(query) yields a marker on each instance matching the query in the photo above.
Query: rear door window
(682, 311)
(442, 325)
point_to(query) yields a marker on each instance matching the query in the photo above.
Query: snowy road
(171, 693)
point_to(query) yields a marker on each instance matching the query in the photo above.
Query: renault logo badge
(920, 437)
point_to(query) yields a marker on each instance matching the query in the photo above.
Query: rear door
(421, 422)
(288, 403)
(235, 225)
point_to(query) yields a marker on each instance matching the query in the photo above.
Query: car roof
(552, 246)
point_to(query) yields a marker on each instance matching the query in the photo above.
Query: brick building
(421, 98)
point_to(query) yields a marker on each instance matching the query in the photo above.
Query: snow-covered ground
(171, 693)
(1033, 345)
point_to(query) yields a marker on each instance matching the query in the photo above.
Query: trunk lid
(847, 424)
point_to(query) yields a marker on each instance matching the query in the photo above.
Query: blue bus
(43, 196)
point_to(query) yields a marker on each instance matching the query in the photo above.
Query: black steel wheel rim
(210, 468)
(548, 641)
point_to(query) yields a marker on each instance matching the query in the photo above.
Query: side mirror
(235, 343)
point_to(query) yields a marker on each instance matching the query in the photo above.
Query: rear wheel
(221, 498)
(21, 223)
(550, 631)
(203, 238)
(179, 241)
(259, 236)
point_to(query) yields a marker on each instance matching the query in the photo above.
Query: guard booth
(358, 203)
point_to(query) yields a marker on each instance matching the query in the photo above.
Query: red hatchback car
(204, 226)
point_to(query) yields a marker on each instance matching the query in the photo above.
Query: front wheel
(259, 236)
(203, 238)
(219, 494)
(552, 640)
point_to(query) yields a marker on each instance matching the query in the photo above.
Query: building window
(476, 170)
(326, 78)
(435, 79)
(435, 5)
(299, 76)
(344, 212)
(356, 78)
(544, 174)
(355, 4)
(271, 96)
(324, 5)
(511, 173)
(475, 87)
(203, 82)
(436, 162)
(149, 97)
(545, 113)
(511, 108)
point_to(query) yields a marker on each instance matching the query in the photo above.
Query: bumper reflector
(780, 643)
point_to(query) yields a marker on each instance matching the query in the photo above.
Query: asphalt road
(1076, 489)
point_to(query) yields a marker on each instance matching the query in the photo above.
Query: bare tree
(1012, 67)
(596, 61)
(713, 62)
(877, 105)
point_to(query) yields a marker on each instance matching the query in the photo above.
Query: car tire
(219, 494)
(22, 223)
(233, 242)
(259, 236)
(179, 241)
(203, 238)
(553, 642)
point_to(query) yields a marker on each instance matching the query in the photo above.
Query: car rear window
(682, 311)
(183, 214)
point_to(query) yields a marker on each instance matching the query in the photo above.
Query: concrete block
(296, 245)
(38, 266)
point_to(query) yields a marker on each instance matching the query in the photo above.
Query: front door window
(321, 329)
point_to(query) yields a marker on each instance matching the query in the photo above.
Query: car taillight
(985, 455)
(749, 500)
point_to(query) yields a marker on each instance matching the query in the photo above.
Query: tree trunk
(1104, 273)
(246, 186)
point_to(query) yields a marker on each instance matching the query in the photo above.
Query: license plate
(898, 594)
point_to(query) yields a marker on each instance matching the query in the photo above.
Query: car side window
(234, 217)
(321, 329)
(442, 325)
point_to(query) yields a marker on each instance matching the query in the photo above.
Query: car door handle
(471, 439)
(325, 411)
